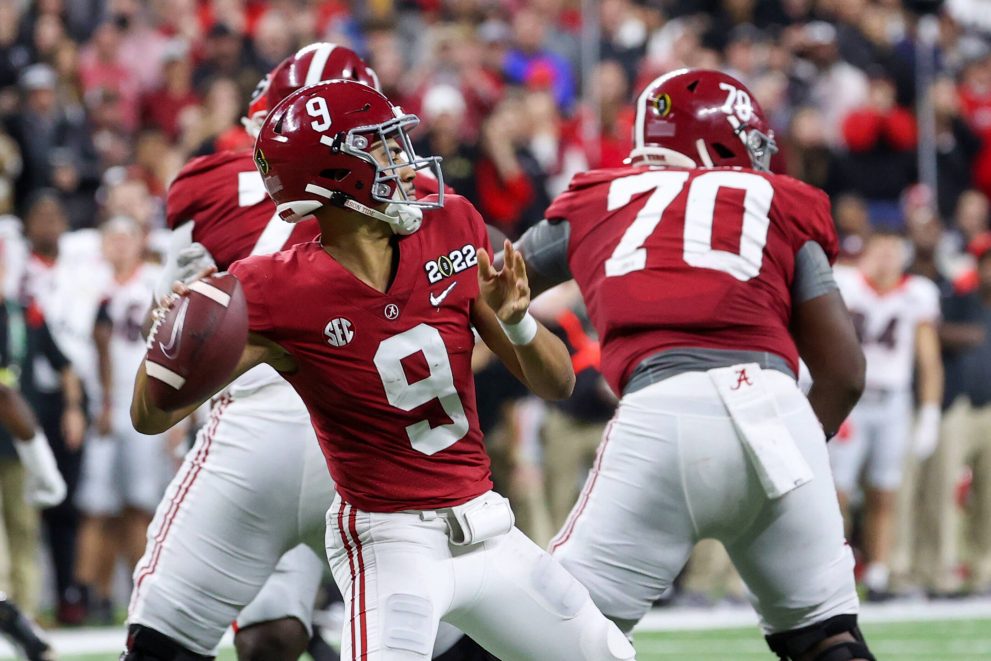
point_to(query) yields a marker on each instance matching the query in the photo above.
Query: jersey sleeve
(808, 211)
(255, 281)
(563, 206)
(180, 201)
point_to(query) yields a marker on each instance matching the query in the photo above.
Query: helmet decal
(661, 104)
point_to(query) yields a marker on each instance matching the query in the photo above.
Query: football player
(123, 475)
(373, 327)
(895, 315)
(228, 532)
(706, 277)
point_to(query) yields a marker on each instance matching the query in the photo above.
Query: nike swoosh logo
(169, 350)
(438, 299)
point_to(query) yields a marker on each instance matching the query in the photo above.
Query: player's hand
(44, 486)
(180, 288)
(193, 260)
(73, 427)
(507, 291)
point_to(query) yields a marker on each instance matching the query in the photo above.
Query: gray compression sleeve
(813, 274)
(545, 247)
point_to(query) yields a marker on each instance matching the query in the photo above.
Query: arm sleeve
(813, 275)
(254, 281)
(545, 248)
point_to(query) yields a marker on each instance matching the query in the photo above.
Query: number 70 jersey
(689, 258)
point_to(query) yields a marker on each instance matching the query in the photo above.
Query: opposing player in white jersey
(896, 316)
(124, 475)
(225, 544)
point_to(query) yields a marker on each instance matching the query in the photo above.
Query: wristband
(522, 332)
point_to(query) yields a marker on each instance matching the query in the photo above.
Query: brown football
(198, 344)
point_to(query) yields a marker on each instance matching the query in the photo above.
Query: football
(196, 346)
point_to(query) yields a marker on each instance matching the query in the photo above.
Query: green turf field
(945, 640)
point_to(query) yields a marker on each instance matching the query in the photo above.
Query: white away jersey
(125, 307)
(886, 323)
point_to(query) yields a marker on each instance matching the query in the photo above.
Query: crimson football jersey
(679, 258)
(233, 216)
(386, 376)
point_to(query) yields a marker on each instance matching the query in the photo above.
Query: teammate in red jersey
(372, 325)
(706, 277)
(239, 534)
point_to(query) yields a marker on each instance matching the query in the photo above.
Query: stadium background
(883, 105)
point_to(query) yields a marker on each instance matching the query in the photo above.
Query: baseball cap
(38, 77)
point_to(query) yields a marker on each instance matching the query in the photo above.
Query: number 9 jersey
(387, 376)
(693, 258)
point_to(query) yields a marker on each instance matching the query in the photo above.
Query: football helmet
(311, 64)
(701, 118)
(315, 148)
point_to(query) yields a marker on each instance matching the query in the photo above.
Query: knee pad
(790, 645)
(144, 644)
(408, 624)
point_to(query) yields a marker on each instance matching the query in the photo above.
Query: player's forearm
(72, 388)
(15, 415)
(148, 418)
(930, 364)
(832, 400)
(546, 365)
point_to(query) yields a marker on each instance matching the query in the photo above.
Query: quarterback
(372, 326)
(239, 534)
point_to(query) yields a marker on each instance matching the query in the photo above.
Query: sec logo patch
(339, 332)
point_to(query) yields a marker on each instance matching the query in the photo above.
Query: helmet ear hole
(277, 128)
(692, 85)
(339, 174)
(722, 150)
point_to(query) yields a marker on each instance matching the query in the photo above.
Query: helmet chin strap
(402, 218)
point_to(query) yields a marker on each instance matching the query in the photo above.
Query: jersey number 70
(631, 255)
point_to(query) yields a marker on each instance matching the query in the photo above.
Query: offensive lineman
(895, 315)
(706, 277)
(376, 337)
(253, 486)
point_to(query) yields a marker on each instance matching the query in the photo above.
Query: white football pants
(401, 576)
(227, 534)
(670, 471)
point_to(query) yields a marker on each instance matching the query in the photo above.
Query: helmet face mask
(701, 118)
(388, 186)
(344, 144)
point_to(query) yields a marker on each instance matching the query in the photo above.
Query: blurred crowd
(102, 101)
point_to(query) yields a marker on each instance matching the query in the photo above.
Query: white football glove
(44, 486)
(926, 436)
(191, 260)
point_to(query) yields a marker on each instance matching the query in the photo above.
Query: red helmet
(311, 64)
(315, 148)
(701, 118)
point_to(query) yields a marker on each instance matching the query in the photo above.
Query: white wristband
(523, 331)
